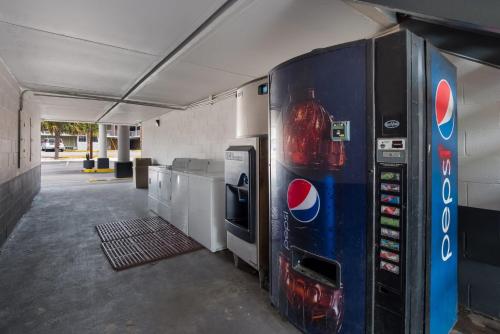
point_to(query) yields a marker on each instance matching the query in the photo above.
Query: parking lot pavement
(60, 173)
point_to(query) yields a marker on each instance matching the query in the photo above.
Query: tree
(91, 130)
(56, 129)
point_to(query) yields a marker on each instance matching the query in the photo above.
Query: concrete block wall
(479, 134)
(201, 132)
(478, 103)
(17, 185)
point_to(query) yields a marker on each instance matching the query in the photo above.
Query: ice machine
(363, 188)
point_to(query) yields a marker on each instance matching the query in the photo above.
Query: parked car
(49, 143)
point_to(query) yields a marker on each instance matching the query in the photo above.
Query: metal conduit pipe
(173, 53)
(210, 100)
(106, 99)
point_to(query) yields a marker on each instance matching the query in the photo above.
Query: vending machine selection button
(390, 187)
(390, 210)
(389, 267)
(389, 244)
(394, 257)
(387, 232)
(389, 176)
(392, 222)
(391, 199)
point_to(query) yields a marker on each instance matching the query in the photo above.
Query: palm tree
(90, 129)
(56, 129)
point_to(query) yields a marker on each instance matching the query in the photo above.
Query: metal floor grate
(130, 228)
(129, 251)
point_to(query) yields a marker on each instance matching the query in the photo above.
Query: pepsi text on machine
(445, 121)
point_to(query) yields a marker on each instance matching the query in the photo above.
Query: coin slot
(397, 144)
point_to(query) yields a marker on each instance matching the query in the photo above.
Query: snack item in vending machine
(394, 257)
(389, 267)
(391, 199)
(392, 187)
(389, 176)
(389, 244)
(390, 210)
(387, 232)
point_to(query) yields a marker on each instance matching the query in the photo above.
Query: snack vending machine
(363, 188)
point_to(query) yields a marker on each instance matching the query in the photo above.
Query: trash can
(141, 172)
(88, 164)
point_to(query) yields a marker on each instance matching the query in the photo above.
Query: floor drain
(130, 228)
(141, 241)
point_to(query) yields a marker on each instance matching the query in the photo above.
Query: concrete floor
(54, 277)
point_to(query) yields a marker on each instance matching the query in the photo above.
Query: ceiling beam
(480, 47)
(477, 14)
(172, 54)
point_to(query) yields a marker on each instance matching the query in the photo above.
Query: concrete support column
(103, 141)
(123, 143)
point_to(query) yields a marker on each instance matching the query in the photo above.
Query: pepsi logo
(444, 109)
(303, 200)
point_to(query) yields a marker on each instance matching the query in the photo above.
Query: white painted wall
(205, 132)
(30, 135)
(479, 134)
(201, 132)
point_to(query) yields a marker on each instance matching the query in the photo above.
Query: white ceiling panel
(151, 26)
(250, 42)
(68, 109)
(267, 33)
(183, 83)
(132, 114)
(41, 59)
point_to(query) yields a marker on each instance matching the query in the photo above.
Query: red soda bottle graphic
(307, 135)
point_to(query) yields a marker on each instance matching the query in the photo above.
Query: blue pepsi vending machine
(363, 188)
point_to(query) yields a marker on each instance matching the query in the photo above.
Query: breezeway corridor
(250, 166)
(59, 280)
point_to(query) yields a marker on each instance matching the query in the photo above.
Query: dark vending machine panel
(390, 202)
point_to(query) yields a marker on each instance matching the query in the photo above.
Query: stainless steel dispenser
(239, 173)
